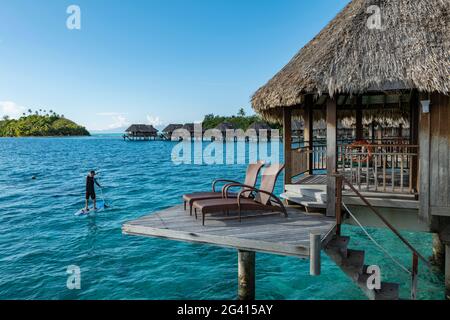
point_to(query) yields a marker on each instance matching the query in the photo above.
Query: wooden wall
(434, 140)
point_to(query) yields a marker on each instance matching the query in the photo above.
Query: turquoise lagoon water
(40, 236)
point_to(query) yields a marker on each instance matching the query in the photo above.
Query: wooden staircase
(352, 263)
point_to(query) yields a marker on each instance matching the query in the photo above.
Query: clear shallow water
(40, 236)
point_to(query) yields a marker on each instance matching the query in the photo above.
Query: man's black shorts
(90, 194)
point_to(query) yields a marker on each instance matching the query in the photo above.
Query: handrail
(387, 223)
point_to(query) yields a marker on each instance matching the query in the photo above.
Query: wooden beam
(315, 250)
(373, 124)
(287, 127)
(424, 166)
(331, 156)
(359, 118)
(308, 133)
(246, 275)
(414, 136)
(447, 271)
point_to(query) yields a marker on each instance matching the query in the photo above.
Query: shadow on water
(40, 236)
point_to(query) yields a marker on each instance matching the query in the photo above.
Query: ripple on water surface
(40, 236)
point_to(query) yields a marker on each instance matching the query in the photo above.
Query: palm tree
(30, 111)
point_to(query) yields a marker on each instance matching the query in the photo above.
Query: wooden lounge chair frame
(252, 174)
(244, 201)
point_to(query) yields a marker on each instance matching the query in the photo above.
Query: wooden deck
(268, 233)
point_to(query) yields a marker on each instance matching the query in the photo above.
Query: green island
(239, 121)
(38, 124)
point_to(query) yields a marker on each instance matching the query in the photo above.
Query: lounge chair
(250, 180)
(264, 198)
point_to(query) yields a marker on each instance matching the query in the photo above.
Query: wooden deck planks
(270, 233)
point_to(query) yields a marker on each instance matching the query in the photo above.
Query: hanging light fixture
(425, 106)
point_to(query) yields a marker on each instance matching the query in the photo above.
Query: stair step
(388, 291)
(354, 263)
(302, 200)
(340, 243)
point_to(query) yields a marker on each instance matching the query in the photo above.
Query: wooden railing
(391, 166)
(309, 158)
(381, 167)
(341, 182)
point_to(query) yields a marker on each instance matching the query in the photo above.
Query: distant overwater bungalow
(140, 132)
(169, 130)
(362, 74)
(389, 74)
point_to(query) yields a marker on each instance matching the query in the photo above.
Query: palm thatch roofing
(141, 129)
(224, 126)
(189, 127)
(172, 127)
(411, 50)
(259, 125)
(298, 125)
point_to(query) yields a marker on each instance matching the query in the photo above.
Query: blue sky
(148, 61)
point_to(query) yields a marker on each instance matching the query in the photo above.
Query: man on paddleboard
(90, 190)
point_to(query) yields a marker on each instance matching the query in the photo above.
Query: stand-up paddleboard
(101, 205)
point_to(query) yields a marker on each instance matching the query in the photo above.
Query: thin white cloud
(154, 121)
(110, 114)
(113, 121)
(118, 122)
(11, 109)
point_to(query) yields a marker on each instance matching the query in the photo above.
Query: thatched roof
(298, 125)
(172, 127)
(410, 51)
(141, 128)
(190, 127)
(224, 126)
(259, 126)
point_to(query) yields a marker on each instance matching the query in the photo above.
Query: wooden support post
(424, 167)
(338, 182)
(246, 275)
(287, 127)
(415, 270)
(359, 119)
(414, 137)
(373, 125)
(447, 271)
(308, 133)
(315, 241)
(331, 156)
(438, 258)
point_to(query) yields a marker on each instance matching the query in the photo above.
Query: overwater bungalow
(140, 132)
(350, 66)
(262, 130)
(190, 128)
(223, 127)
(168, 131)
(297, 129)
